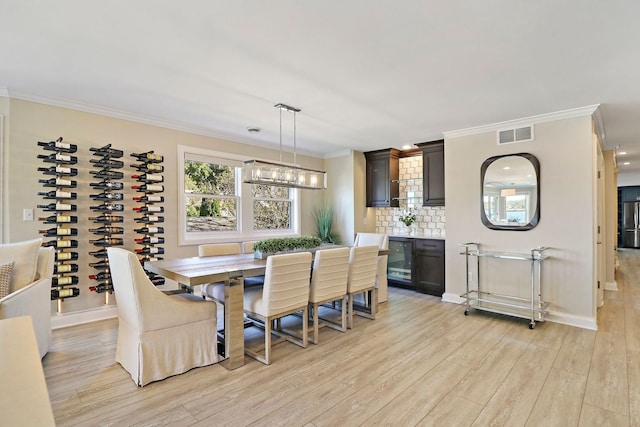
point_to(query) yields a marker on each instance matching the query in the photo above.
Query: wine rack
(59, 206)
(108, 203)
(150, 187)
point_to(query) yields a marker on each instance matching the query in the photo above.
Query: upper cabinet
(383, 171)
(433, 172)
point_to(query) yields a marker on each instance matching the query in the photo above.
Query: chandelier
(283, 174)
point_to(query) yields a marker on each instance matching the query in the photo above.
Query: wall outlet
(27, 214)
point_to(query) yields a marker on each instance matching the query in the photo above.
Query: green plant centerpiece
(324, 226)
(266, 247)
(408, 218)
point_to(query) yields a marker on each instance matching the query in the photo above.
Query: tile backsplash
(430, 221)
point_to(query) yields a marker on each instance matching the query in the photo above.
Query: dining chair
(158, 335)
(285, 292)
(363, 261)
(382, 240)
(329, 284)
(215, 291)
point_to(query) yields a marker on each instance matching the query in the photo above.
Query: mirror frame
(535, 218)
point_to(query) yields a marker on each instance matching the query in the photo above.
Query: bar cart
(532, 308)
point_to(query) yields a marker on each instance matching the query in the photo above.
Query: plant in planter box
(266, 247)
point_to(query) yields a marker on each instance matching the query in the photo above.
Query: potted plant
(408, 218)
(266, 247)
(324, 226)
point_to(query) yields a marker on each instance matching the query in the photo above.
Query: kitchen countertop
(420, 235)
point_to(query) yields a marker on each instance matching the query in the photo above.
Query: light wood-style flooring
(421, 362)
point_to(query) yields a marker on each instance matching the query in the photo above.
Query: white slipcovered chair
(329, 284)
(363, 261)
(285, 292)
(158, 335)
(30, 287)
(382, 241)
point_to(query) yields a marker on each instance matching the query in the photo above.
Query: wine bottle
(148, 167)
(149, 240)
(57, 194)
(107, 185)
(107, 241)
(107, 230)
(58, 158)
(59, 170)
(58, 145)
(100, 265)
(148, 188)
(102, 253)
(103, 287)
(107, 196)
(100, 276)
(57, 207)
(59, 231)
(66, 256)
(64, 280)
(147, 258)
(149, 208)
(157, 281)
(108, 207)
(149, 219)
(64, 293)
(107, 174)
(149, 199)
(55, 219)
(65, 268)
(61, 243)
(107, 163)
(149, 250)
(148, 177)
(58, 182)
(107, 219)
(107, 151)
(149, 156)
(149, 230)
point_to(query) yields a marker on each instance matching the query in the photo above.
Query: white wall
(339, 194)
(565, 151)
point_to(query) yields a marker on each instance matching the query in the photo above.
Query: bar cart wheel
(466, 312)
(532, 325)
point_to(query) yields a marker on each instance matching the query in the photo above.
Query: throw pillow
(6, 271)
(25, 256)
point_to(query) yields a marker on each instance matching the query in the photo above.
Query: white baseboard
(573, 320)
(611, 286)
(63, 320)
(453, 298)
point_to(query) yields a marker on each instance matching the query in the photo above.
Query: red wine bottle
(148, 177)
(102, 253)
(149, 156)
(107, 196)
(66, 256)
(58, 182)
(58, 145)
(148, 167)
(64, 293)
(57, 194)
(148, 188)
(100, 265)
(148, 250)
(149, 208)
(59, 170)
(107, 151)
(57, 207)
(149, 219)
(107, 185)
(148, 258)
(58, 158)
(64, 280)
(107, 230)
(61, 243)
(107, 174)
(107, 241)
(65, 268)
(59, 231)
(149, 240)
(149, 199)
(149, 230)
(157, 281)
(107, 219)
(108, 207)
(56, 219)
(108, 163)
(102, 287)
(100, 276)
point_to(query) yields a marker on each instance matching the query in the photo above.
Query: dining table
(230, 270)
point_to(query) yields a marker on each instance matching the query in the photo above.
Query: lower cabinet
(416, 264)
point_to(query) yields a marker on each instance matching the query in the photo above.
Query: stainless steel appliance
(631, 224)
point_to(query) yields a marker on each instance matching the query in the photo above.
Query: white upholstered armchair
(159, 335)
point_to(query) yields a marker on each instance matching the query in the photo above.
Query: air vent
(509, 136)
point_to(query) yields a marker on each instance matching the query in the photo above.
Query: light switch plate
(27, 214)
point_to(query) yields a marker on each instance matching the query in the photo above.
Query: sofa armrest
(32, 300)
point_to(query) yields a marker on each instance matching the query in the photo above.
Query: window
(216, 206)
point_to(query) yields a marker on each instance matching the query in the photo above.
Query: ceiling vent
(509, 136)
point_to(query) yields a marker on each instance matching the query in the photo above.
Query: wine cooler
(60, 224)
(107, 207)
(149, 228)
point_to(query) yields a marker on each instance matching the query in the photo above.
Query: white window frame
(245, 230)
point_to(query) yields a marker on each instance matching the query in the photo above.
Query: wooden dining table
(231, 270)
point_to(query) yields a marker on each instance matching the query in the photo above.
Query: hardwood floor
(421, 362)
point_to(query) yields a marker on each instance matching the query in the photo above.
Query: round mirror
(510, 188)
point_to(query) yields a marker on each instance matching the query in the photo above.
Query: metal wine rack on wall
(150, 187)
(109, 199)
(59, 207)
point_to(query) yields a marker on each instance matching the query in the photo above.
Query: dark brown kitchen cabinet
(383, 171)
(429, 266)
(432, 172)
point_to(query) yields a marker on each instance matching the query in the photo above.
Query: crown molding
(527, 121)
(144, 119)
(341, 153)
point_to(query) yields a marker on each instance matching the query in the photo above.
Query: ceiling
(366, 74)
